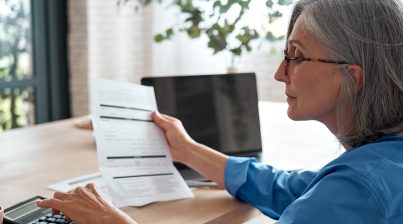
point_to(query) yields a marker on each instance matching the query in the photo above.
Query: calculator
(27, 212)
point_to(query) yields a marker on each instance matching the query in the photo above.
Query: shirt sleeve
(341, 197)
(266, 188)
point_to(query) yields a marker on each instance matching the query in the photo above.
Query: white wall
(181, 55)
(119, 40)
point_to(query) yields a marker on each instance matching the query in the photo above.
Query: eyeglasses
(288, 59)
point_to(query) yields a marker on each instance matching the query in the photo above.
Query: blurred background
(49, 50)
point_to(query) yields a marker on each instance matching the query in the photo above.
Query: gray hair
(368, 33)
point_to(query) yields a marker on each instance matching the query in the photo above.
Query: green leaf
(269, 3)
(236, 51)
(169, 32)
(274, 15)
(194, 32)
(158, 38)
(281, 37)
(270, 37)
(217, 4)
(285, 2)
(243, 4)
(217, 43)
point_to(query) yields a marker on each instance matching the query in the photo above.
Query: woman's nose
(280, 74)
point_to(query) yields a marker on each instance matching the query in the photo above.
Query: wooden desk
(33, 158)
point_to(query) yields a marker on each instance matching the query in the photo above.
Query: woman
(343, 67)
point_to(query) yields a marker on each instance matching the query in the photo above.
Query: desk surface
(33, 158)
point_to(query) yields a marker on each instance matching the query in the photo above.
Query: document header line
(122, 107)
(136, 157)
(126, 119)
(146, 175)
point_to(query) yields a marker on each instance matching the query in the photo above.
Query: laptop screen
(220, 111)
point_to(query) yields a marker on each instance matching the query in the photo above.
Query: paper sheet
(68, 185)
(133, 155)
(95, 178)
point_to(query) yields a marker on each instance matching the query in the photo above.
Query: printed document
(95, 178)
(133, 155)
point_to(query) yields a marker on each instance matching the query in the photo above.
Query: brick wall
(106, 41)
(78, 56)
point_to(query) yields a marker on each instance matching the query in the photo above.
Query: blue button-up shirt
(363, 185)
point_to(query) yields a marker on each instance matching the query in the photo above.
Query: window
(33, 68)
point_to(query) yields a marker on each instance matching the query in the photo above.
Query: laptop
(220, 111)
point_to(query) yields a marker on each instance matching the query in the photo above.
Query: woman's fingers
(61, 195)
(162, 120)
(53, 203)
(95, 190)
(169, 118)
(81, 191)
(159, 120)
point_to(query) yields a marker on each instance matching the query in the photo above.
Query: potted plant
(222, 24)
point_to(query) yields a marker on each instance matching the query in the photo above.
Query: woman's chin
(291, 111)
(293, 117)
(293, 114)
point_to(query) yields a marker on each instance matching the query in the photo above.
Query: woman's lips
(289, 96)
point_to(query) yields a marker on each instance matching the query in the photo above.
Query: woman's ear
(357, 73)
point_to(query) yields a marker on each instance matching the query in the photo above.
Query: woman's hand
(178, 139)
(86, 205)
(208, 162)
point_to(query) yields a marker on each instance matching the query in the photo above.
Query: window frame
(49, 59)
